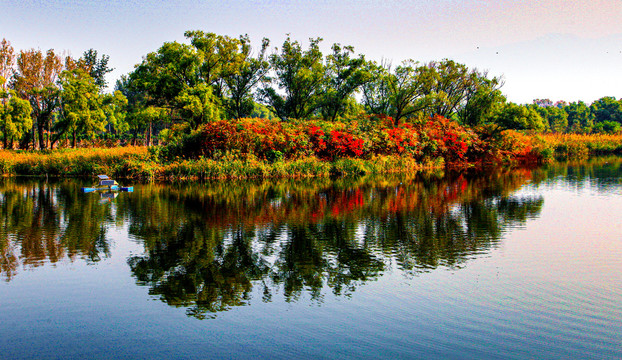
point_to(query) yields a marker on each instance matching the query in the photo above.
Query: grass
(138, 163)
(577, 146)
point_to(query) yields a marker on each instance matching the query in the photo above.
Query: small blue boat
(106, 183)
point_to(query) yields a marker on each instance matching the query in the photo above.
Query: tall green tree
(555, 118)
(146, 117)
(240, 82)
(459, 91)
(519, 117)
(345, 75)
(164, 74)
(408, 90)
(198, 105)
(140, 117)
(96, 67)
(299, 77)
(15, 119)
(580, 118)
(376, 91)
(115, 108)
(482, 105)
(155, 87)
(607, 109)
(35, 79)
(219, 56)
(82, 107)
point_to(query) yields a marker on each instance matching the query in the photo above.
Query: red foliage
(347, 202)
(316, 137)
(342, 144)
(434, 138)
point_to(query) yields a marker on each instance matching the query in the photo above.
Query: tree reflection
(46, 223)
(215, 246)
(209, 247)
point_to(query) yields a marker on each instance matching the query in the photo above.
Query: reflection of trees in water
(602, 173)
(195, 269)
(209, 251)
(43, 222)
(207, 247)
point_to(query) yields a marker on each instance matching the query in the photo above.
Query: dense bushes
(259, 148)
(363, 138)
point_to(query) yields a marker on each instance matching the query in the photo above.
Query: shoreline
(142, 164)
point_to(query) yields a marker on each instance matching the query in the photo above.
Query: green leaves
(344, 76)
(518, 117)
(198, 105)
(165, 73)
(81, 104)
(300, 76)
(15, 119)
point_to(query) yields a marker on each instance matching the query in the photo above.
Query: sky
(556, 49)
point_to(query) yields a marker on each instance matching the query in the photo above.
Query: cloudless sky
(557, 49)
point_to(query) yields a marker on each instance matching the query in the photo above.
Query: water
(514, 264)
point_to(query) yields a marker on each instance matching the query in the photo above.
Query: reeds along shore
(256, 148)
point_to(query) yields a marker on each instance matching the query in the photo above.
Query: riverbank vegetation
(246, 153)
(215, 107)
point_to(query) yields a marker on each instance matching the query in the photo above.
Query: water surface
(512, 264)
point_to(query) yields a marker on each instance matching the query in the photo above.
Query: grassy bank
(138, 163)
(131, 161)
(147, 164)
(575, 146)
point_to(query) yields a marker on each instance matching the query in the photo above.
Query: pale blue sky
(562, 49)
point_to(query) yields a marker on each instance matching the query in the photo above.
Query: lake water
(513, 264)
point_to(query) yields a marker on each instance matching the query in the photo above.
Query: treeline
(48, 100)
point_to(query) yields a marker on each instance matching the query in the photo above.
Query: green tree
(164, 74)
(482, 105)
(401, 93)
(240, 82)
(408, 90)
(555, 118)
(376, 92)
(607, 109)
(466, 94)
(519, 117)
(558, 119)
(96, 67)
(145, 118)
(81, 106)
(198, 105)
(115, 108)
(345, 75)
(580, 118)
(219, 56)
(35, 80)
(607, 127)
(300, 76)
(15, 119)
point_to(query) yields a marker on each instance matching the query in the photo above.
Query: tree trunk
(73, 140)
(149, 130)
(24, 143)
(40, 131)
(41, 138)
(48, 140)
(34, 135)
